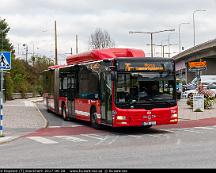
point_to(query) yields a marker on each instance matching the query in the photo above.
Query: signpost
(5, 64)
(198, 102)
(198, 99)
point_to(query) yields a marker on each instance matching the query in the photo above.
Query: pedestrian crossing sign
(5, 60)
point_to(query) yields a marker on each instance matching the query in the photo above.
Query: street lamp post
(180, 34)
(162, 48)
(26, 46)
(56, 49)
(151, 36)
(194, 24)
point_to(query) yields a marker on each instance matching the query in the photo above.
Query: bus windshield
(145, 87)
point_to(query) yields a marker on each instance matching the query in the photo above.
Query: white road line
(42, 140)
(170, 131)
(155, 136)
(192, 131)
(205, 128)
(54, 126)
(71, 138)
(159, 135)
(112, 141)
(76, 125)
(94, 136)
(101, 141)
(134, 136)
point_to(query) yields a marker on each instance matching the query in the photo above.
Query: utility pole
(151, 36)
(71, 51)
(194, 30)
(56, 53)
(179, 28)
(76, 44)
(162, 48)
(26, 54)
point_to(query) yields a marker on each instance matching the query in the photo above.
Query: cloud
(28, 19)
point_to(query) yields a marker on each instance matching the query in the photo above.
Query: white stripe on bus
(86, 113)
(82, 113)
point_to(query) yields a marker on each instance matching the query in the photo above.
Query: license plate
(150, 123)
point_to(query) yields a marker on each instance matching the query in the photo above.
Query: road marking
(169, 131)
(112, 141)
(54, 126)
(155, 136)
(205, 128)
(134, 136)
(42, 140)
(192, 131)
(94, 136)
(76, 125)
(101, 141)
(178, 142)
(72, 138)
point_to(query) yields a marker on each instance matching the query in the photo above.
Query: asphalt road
(136, 148)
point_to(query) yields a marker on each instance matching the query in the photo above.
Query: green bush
(9, 87)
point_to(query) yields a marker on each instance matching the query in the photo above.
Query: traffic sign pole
(5, 64)
(1, 105)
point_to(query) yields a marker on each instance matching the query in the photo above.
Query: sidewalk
(21, 116)
(188, 118)
(186, 112)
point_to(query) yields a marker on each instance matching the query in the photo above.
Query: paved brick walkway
(20, 116)
(186, 112)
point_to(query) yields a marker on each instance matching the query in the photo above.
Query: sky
(32, 23)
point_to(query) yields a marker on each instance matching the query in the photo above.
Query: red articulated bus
(116, 87)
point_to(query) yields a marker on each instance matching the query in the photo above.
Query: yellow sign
(146, 67)
(201, 64)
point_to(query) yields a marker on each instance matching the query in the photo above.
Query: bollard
(1, 125)
(1, 116)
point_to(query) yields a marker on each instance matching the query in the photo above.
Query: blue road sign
(5, 60)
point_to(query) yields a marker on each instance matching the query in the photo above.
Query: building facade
(202, 52)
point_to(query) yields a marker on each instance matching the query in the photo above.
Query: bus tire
(48, 110)
(64, 114)
(94, 122)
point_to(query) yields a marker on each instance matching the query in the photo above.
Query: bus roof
(56, 66)
(103, 54)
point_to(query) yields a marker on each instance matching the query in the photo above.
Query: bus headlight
(174, 115)
(121, 117)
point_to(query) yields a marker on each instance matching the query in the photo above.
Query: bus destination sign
(145, 67)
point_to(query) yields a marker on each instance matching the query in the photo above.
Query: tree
(22, 77)
(4, 42)
(101, 39)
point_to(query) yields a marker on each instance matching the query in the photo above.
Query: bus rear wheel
(94, 122)
(64, 114)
